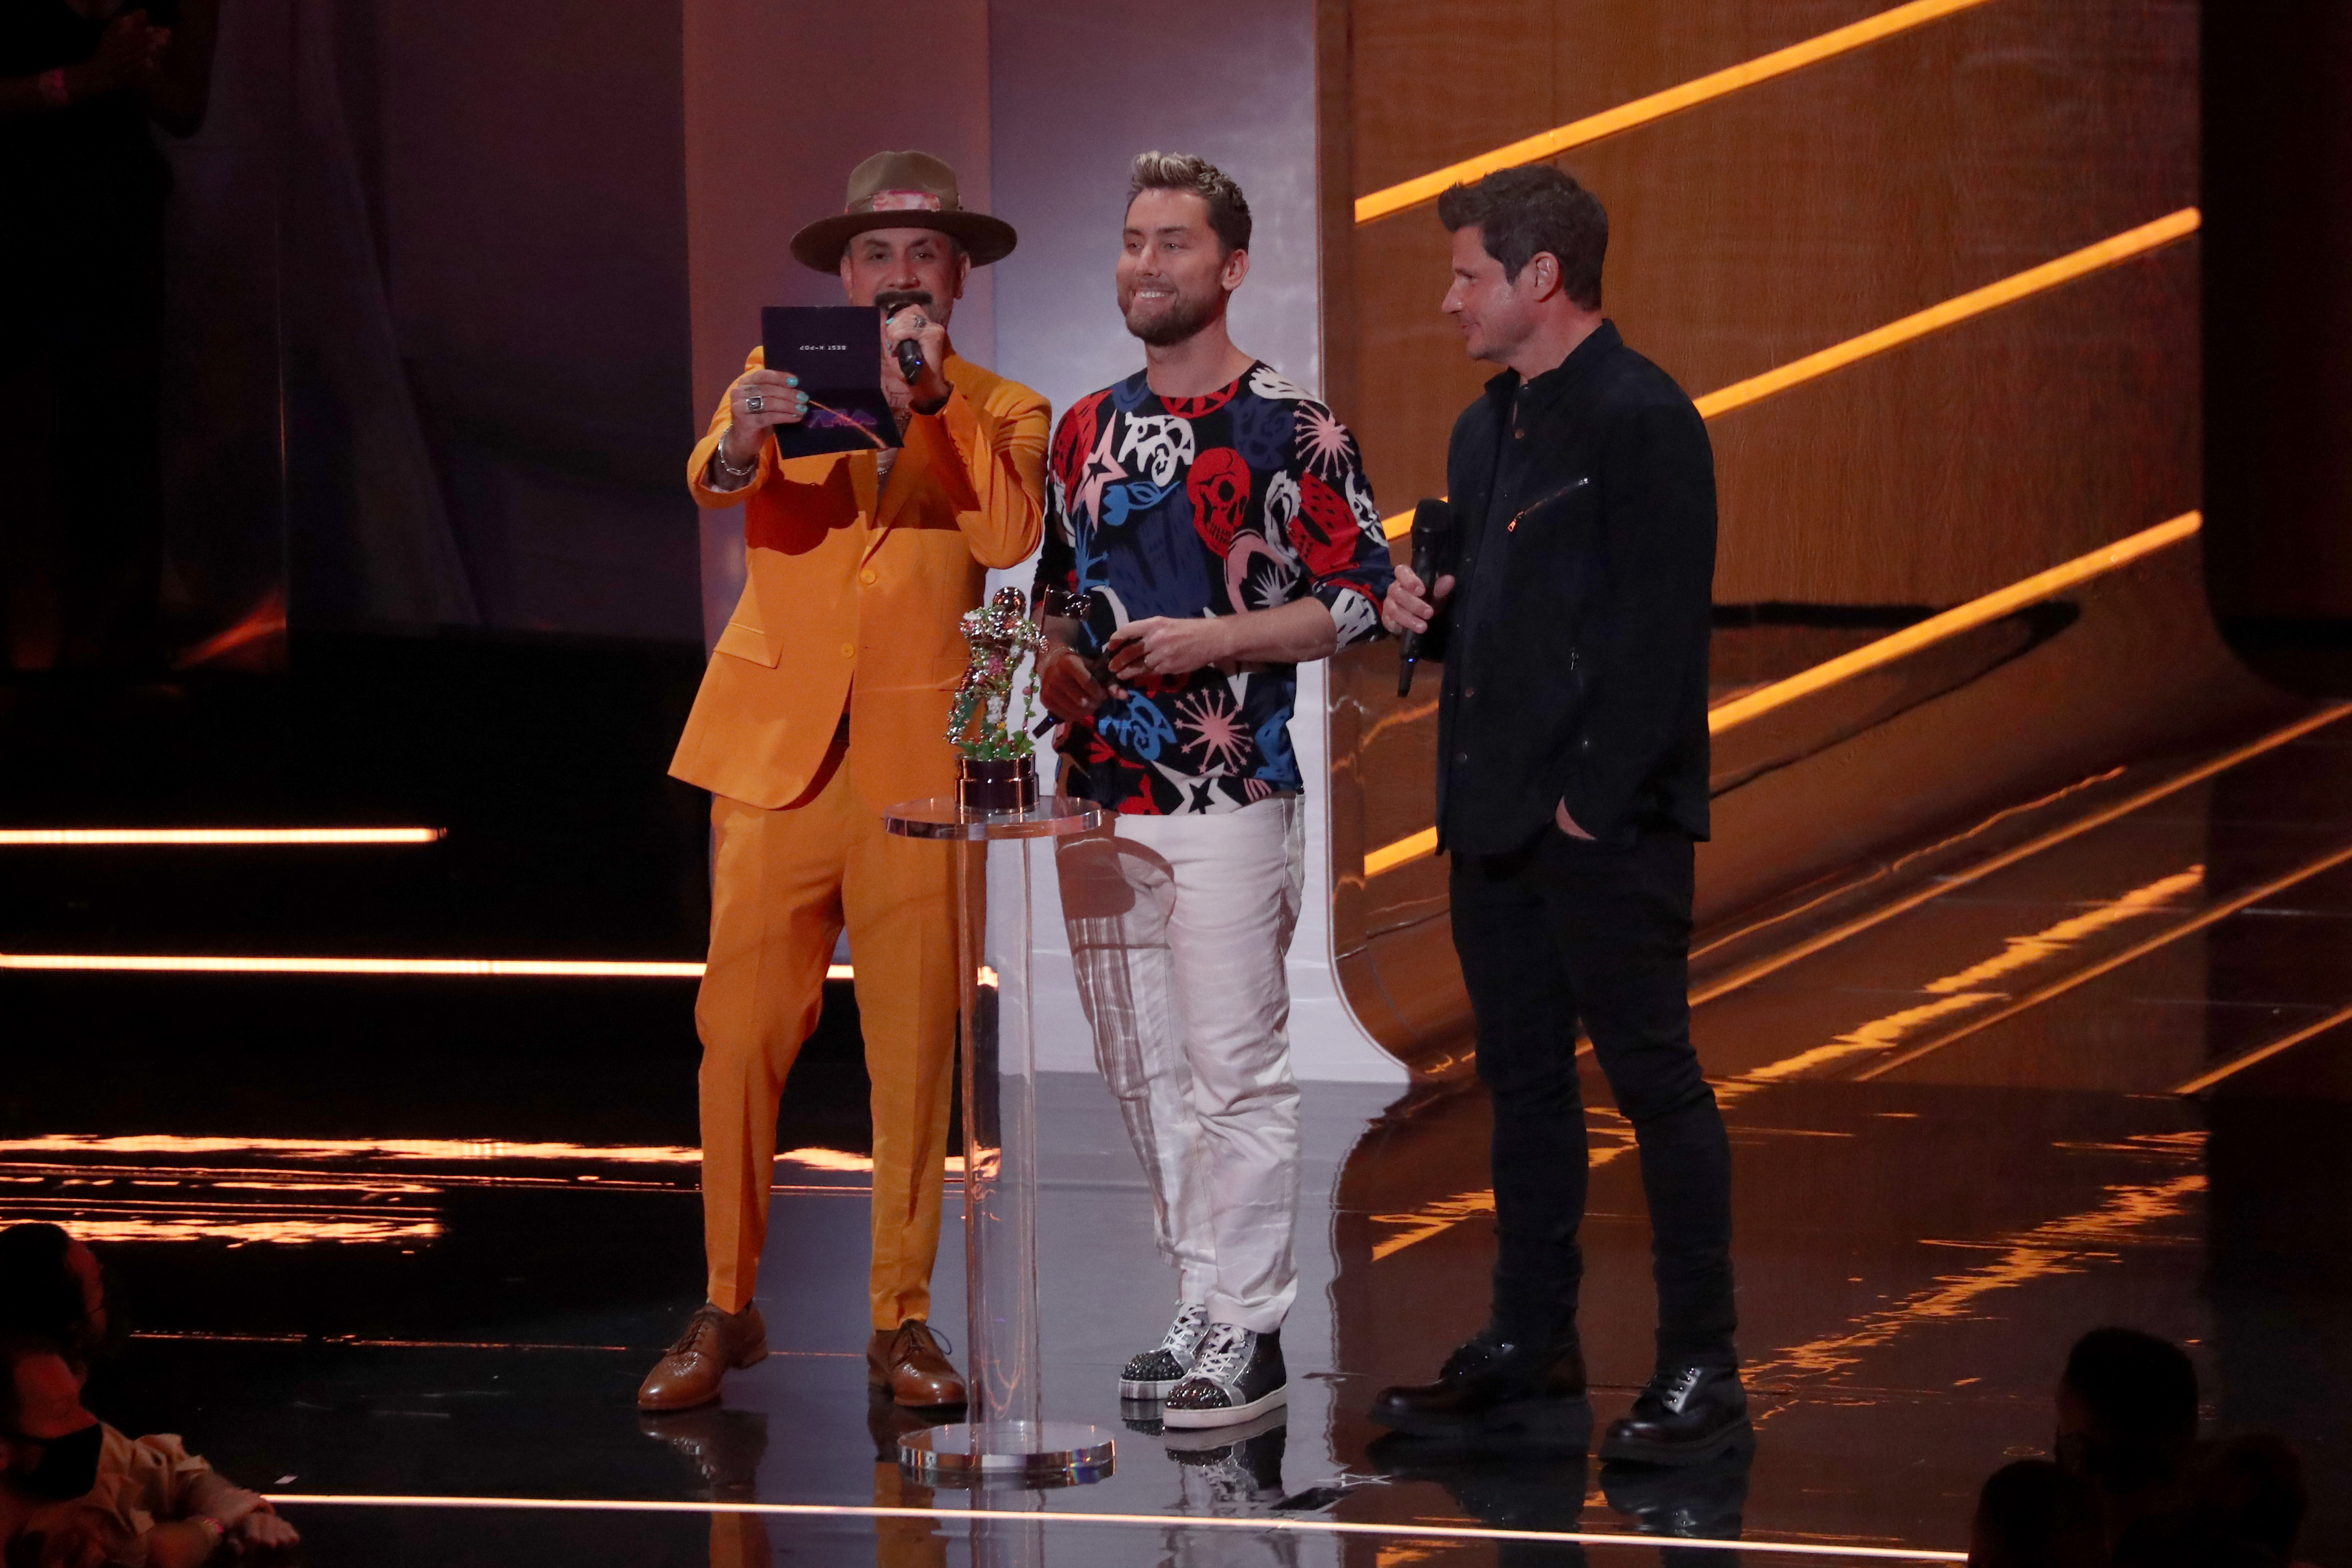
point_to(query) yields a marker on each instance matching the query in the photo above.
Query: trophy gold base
(991, 784)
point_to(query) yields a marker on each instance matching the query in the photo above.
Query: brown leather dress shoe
(714, 1344)
(909, 1362)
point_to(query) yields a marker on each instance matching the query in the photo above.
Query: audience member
(49, 1450)
(2127, 1451)
(2032, 1514)
(52, 1287)
(2128, 1423)
(48, 1444)
(71, 1485)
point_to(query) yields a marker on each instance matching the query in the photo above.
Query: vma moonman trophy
(996, 762)
(998, 811)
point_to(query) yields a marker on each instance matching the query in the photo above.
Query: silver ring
(752, 404)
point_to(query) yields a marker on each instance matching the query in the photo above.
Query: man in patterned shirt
(1208, 525)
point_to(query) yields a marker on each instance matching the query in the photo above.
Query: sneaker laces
(1222, 1354)
(1189, 1324)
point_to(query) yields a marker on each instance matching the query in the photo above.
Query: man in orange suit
(826, 703)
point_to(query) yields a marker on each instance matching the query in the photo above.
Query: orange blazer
(847, 601)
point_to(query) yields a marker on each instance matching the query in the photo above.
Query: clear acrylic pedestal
(1005, 1441)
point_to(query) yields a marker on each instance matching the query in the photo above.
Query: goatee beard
(1182, 321)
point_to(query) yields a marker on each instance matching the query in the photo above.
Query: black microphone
(1432, 552)
(910, 353)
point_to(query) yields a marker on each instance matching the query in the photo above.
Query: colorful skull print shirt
(1247, 499)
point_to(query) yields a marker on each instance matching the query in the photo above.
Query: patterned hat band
(898, 202)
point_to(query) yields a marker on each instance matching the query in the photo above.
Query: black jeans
(1569, 929)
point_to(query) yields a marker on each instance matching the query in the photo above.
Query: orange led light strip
(473, 968)
(2239, 1064)
(1953, 622)
(2212, 915)
(1389, 857)
(1261, 1524)
(1886, 650)
(1954, 881)
(2075, 264)
(83, 836)
(2017, 286)
(1575, 134)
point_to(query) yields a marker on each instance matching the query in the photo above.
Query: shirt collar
(1545, 388)
(1229, 393)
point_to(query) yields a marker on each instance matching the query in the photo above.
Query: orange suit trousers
(784, 884)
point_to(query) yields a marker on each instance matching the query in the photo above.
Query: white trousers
(1180, 928)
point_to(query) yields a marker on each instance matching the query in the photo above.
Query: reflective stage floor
(418, 1238)
(412, 1317)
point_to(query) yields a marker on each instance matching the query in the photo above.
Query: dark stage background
(448, 292)
(423, 347)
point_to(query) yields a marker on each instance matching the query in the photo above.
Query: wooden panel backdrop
(1746, 233)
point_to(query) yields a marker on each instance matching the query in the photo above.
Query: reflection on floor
(421, 1239)
(1913, 1259)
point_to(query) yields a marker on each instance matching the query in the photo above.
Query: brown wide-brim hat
(903, 190)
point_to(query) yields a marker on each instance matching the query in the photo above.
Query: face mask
(68, 1466)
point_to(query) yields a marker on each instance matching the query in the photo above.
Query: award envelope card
(836, 351)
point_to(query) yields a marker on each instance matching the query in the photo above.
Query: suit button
(1468, 692)
(849, 651)
(1461, 756)
(1585, 744)
(868, 576)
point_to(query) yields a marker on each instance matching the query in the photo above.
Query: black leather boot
(1494, 1385)
(1686, 1414)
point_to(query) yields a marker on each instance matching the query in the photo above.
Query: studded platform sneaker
(1151, 1374)
(1238, 1374)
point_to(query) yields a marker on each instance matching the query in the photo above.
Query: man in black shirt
(1571, 786)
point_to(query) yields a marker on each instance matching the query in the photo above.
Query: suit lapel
(864, 480)
(910, 475)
